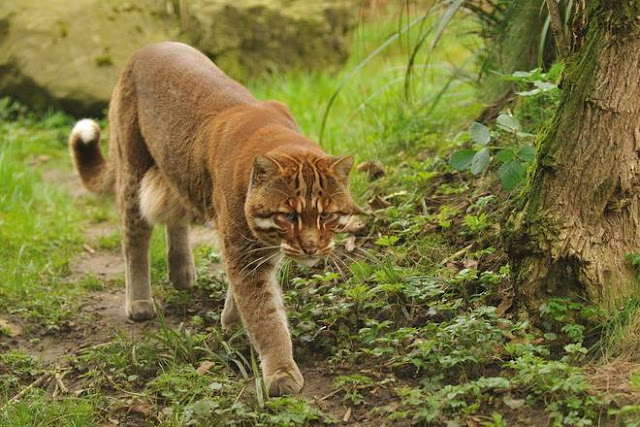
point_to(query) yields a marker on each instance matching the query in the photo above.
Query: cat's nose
(309, 249)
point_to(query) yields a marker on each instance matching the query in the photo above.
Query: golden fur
(189, 143)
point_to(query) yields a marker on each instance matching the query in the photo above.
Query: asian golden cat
(187, 143)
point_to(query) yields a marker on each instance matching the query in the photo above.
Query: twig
(24, 391)
(457, 254)
(333, 393)
(557, 27)
(117, 386)
(60, 385)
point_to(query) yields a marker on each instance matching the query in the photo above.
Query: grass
(414, 326)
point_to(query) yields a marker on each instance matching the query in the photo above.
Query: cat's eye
(291, 216)
(326, 216)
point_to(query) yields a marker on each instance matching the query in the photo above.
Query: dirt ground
(101, 315)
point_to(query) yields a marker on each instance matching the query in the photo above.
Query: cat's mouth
(308, 261)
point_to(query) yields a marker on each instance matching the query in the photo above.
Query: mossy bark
(580, 213)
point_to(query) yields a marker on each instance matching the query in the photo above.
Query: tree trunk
(580, 212)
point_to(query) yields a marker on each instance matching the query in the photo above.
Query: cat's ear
(264, 167)
(341, 166)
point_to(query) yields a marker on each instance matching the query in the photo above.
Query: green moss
(103, 60)
(621, 17)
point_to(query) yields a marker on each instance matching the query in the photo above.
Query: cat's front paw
(141, 310)
(230, 318)
(284, 381)
(230, 323)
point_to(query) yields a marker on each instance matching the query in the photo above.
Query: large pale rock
(248, 37)
(65, 54)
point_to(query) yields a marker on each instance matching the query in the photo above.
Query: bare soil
(101, 315)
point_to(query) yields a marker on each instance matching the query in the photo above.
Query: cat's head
(297, 202)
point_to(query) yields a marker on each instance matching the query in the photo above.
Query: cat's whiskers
(335, 193)
(344, 254)
(248, 239)
(361, 253)
(335, 264)
(367, 255)
(255, 261)
(259, 249)
(263, 262)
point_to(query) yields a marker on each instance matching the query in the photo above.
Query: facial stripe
(343, 220)
(265, 223)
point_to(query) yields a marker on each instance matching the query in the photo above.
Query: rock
(67, 55)
(248, 37)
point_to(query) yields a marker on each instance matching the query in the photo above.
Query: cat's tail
(96, 172)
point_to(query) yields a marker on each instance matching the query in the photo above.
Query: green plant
(352, 385)
(512, 157)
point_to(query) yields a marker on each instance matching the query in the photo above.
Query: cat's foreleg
(230, 315)
(258, 299)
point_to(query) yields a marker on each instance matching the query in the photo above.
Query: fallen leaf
(141, 407)
(505, 305)
(372, 169)
(347, 415)
(350, 244)
(513, 403)
(9, 328)
(470, 263)
(205, 367)
(377, 202)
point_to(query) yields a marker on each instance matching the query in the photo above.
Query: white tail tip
(87, 130)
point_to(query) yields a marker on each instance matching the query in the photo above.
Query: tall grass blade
(361, 65)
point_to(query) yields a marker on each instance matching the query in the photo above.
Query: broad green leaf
(480, 133)
(527, 153)
(524, 75)
(508, 122)
(461, 160)
(480, 161)
(505, 155)
(531, 92)
(545, 86)
(511, 174)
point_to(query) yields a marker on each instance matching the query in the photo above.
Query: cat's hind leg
(133, 161)
(182, 270)
(160, 203)
(139, 304)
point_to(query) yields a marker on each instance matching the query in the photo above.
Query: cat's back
(173, 75)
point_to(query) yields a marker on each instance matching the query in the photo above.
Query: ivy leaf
(505, 155)
(511, 174)
(461, 160)
(527, 153)
(480, 161)
(480, 133)
(508, 122)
